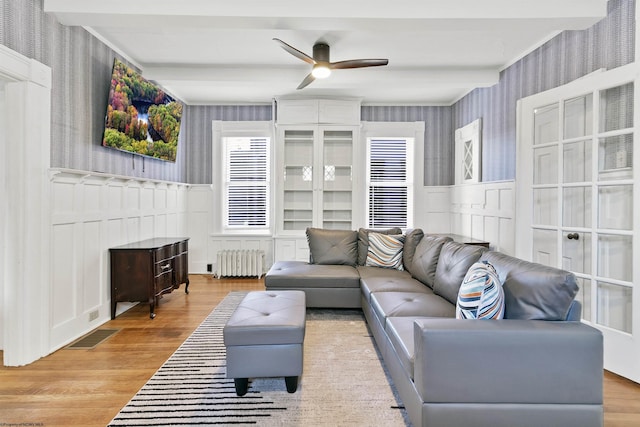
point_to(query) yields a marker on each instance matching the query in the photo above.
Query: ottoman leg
(242, 385)
(292, 384)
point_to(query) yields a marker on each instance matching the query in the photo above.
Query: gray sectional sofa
(538, 366)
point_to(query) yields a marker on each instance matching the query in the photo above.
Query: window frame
(249, 129)
(413, 133)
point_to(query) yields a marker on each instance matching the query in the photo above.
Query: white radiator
(240, 263)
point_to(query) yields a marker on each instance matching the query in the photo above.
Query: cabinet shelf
(317, 188)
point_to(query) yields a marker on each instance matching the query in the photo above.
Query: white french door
(577, 192)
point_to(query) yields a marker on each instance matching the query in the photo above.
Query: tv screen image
(141, 118)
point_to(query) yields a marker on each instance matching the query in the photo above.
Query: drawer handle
(164, 267)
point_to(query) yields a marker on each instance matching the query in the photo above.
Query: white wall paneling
(286, 249)
(485, 211)
(206, 240)
(200, 222)
(220, 242)
(91, 212)
(433, 209)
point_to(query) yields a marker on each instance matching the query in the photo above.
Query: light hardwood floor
(88, 387)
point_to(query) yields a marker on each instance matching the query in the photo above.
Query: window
(246, 182)
(389, 182)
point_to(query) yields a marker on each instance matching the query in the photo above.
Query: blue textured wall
(81, 66)
(570, 55)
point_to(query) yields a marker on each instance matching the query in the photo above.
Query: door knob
(573, 236)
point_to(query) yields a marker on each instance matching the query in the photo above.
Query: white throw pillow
(385, 251)
(481, 295)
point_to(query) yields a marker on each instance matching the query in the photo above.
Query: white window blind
(389, 182)
(247, 182)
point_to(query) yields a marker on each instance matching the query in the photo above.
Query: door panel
(576, 207)
(546, 165)
(576, 200)
(545, 206)
(545, 250)
(576, 252)
(576, 158)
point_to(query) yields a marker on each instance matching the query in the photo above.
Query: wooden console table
(143, 271)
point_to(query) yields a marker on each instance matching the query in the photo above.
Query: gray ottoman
(264, 338)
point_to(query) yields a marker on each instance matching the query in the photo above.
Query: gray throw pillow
(425, 259)
(413, 237)
(533, 291)
(363, 241)
(333, 246)
(454, 262)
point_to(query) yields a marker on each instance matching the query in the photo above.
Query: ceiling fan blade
(358, 63)
(295, 52)
(307, 80)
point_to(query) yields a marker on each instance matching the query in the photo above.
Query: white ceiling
(221, 51)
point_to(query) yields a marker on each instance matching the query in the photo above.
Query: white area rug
(343, 381)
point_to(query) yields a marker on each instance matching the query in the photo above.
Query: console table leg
(152, 308)
(186, 288)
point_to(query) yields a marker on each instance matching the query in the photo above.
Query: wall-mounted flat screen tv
(141, 118)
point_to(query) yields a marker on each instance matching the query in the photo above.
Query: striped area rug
(343, 381)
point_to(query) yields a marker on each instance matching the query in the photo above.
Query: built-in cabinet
(317, 143)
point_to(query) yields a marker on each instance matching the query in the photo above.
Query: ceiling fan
(322, 66)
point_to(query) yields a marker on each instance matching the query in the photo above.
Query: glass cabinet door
(297, 204)
(317, 178)
(337, 179)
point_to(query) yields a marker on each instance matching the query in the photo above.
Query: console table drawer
(163, 253)
(163, 267)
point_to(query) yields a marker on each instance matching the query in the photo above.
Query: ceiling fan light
(321, 71)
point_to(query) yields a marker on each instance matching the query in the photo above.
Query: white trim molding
(25, 217)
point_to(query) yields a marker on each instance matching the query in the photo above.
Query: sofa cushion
(385, 251)
(402, 304)
(300, 275)
(333, 246)
(533, 291)
(400, 333)
(373, 279)
(363, 241)
(412, 238)
(453, 264)
(480, 295)
(425, 258)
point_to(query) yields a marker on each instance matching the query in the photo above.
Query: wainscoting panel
(485, 211)
(63, 277)
(223, 242)
(92, 212)
(199, 227)
(207, 240)
(433, 209)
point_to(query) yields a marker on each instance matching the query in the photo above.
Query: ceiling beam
(127, 12)
(452, 77)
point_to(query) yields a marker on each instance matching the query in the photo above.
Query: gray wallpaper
(196, 128)
(81, 67)
(570, 55)
(438, 134)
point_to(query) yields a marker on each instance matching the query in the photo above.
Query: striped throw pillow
(481, 295)
(385, 251)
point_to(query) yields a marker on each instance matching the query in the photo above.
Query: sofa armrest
(507, 361)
